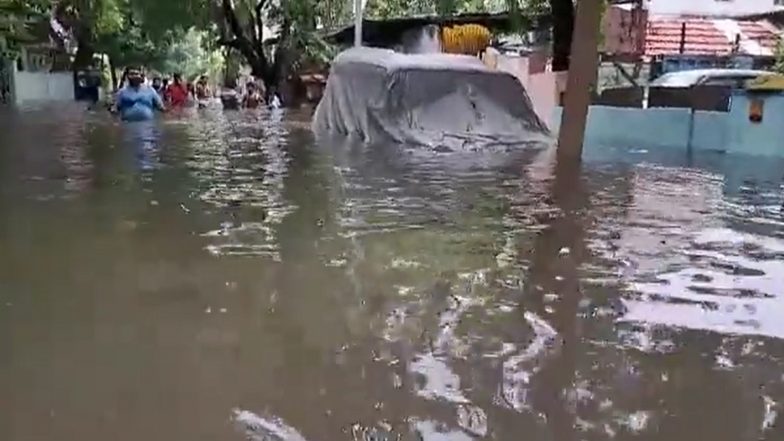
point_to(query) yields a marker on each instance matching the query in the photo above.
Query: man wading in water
(202, 92)
(136, 101)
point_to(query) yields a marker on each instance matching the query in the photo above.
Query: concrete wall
(711, 131)
(42, 86)
(730, 132)
(765, 138)
(543, 87)
(635, 128)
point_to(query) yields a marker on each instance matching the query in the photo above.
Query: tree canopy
(273, 37)
(17, 19)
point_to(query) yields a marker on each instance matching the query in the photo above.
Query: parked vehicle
(736, 78)
(436, 100)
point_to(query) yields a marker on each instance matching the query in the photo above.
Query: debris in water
(383, 432)
(257, 428)
(223, 310)
(208, 310)
(564, 251)
(724, 362)
(184, 208)
(127, 225)
(636, 422)
(770, 413)
(473, 419)
(154, 203)
(503, 260)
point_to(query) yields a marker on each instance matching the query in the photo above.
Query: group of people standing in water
(137, 101)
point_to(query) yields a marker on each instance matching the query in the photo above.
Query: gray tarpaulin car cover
(436, 100)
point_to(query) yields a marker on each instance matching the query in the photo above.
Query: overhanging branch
(233, 43)
(258, 10)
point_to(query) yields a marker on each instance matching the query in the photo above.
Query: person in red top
(177, 93)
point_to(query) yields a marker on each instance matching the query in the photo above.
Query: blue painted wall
(730, 132)
(765, 138)
(710, 132)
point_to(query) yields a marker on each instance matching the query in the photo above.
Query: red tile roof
(761, 32)
(704, 37)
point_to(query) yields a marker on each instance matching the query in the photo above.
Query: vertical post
(357, 23)
(691, 131)
(682, 46)
(9, 71)
(580, 80)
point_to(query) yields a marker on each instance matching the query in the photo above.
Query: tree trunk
(85, 46)
(113, 74)
(247, 39)
(580, 82)
(251, 50)
(563, 28)
(84, 56)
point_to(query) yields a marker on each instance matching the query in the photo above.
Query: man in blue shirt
(136, 101)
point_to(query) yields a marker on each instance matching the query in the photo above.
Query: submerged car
(437, 100)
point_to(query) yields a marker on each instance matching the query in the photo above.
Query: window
(735, 81)
(720, 81)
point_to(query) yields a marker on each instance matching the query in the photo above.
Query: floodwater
(221, 276)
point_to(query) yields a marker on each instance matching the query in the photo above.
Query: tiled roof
(708, 36)
(763, 33)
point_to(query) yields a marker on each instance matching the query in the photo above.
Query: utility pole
(357, 23)
(581, 79)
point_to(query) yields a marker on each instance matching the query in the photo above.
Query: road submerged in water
(216, 275)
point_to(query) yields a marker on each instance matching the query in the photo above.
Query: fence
(42, 86)
(691, 129)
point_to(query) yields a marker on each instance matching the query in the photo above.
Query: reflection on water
(220, 276)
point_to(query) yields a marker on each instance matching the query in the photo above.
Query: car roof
(692, 76)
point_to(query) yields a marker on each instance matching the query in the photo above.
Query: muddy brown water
(215, 276)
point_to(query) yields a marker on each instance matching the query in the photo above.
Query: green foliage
(17, 17)
(779, 55)
(110, 16)
(399, 8)
(402, 8)
(183, 35)
(120, 33)
(334, 13)
(303, 42)
(190, 56)
(160, 17)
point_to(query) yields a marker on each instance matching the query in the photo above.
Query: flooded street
(217, 276)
